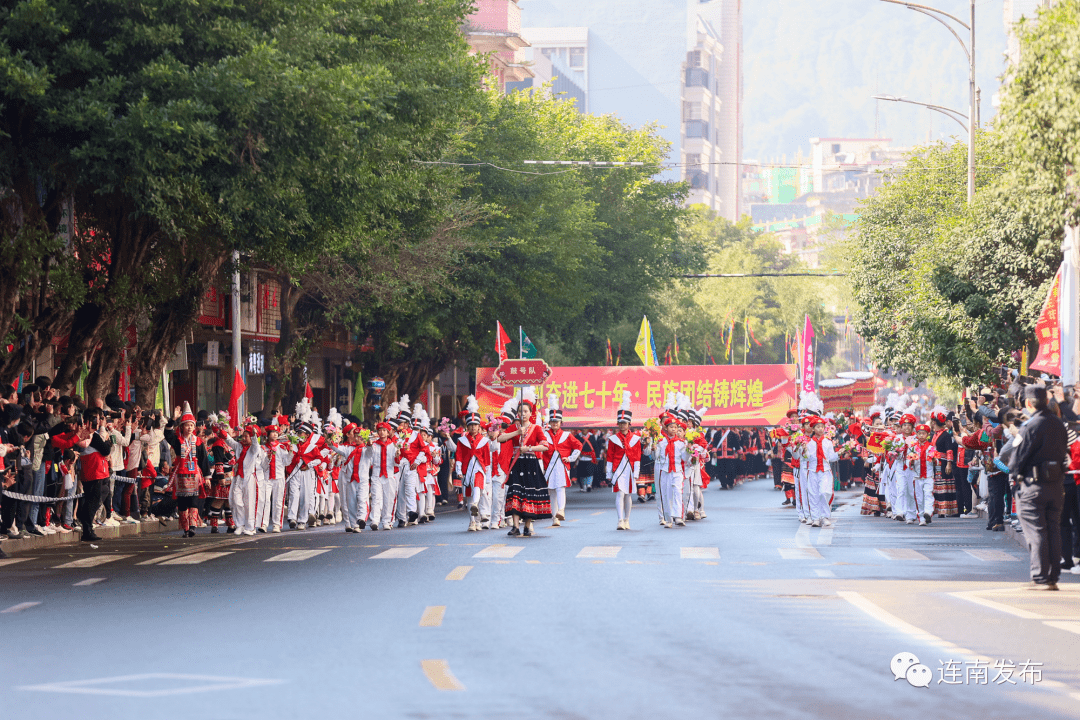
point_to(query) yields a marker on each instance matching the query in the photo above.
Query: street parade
(556, 359)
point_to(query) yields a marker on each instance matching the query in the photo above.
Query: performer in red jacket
(526, 493)
(624, 463)
(473, 463)
(563, 450)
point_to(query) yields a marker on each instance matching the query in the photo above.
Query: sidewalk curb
(153, 527)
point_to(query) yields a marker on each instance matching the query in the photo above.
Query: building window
(691, 111)
(697, 77)
(577, 57)
(697, 129)
(693, 160)
(693, 59)
(836, 148)
(698, 179)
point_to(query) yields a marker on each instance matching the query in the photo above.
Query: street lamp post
(947, 112)
(969, 51)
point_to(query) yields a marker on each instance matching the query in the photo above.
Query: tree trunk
(169, 323)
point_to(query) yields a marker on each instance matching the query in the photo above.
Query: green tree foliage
(944, 289)
(567, 253)
(185, 130)
(703, 310)
(1039, 133)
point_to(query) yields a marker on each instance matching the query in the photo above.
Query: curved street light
(969, 51)
(947, 112)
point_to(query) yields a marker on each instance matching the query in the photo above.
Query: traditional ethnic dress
(944, 487)
(526, 488)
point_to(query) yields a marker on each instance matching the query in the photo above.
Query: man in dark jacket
(1039, 460)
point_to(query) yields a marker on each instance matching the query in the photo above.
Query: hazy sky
(811, 67)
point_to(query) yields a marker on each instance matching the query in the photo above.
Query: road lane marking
(88, 581)
(196, 558)
(599, 513)
(825, 536)
(884, 616)
(825, 573)
(12, 561)
(699, 553)
(991, 555)
(167, 684)
(92, 561)
(438, 673)
(499, 551)
(901, 554)
(602, 552)
(399, 553)
(295, 555)
(20, 607)
(800, 553)
(433, 615)
(459, 572)
(802, 537)
(1001, 607)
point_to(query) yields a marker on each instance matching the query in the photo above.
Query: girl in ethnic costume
(527, 497)
(187, 480)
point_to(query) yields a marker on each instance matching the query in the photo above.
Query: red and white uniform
(307, 457)
(624, 461)
(818, 485)
(243, 494)
(473, 463)
(919, 490)
(563, 450)
(671, 461)
(353, 483)
(384, 474)
(271, 489)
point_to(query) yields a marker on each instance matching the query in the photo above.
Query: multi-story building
(635, 57)
(811, 203)
(1013, 11)
(495, 29)
(559, 56)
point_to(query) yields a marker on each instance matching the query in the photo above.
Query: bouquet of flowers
(445, 426)
(699, 453)
(850, 448)
(692, 435)
(365, 436)
(652, 429)
(334, 436)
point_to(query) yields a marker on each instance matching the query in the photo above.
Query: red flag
(238, 388)
(501, 339)
(1048, 332)
(307, 391)
(752, 332)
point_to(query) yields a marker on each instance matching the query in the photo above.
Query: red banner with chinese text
(732, 395)
(1048, 332)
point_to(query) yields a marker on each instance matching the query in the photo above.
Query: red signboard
(732, 395)
(522, 372)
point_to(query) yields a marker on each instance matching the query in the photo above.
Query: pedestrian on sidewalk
(1039, 459)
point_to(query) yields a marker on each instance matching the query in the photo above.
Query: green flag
(358, 397)
(528, 350)
(80, 384)
(159, 397)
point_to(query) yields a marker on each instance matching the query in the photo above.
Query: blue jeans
(37, 489)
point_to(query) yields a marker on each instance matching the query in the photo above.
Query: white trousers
(922, 496)
(819, 489)
(695, 499)
(905, 494)
(892, 493)
(301, 496)
(670, 486)
(801, 504)
(427, 502)
(355, 497)
(271, 502)
(406, 497)
(383, 497)
(498, 499)
(623, 502)
(242, 502)
(558, 500)
(481, 497)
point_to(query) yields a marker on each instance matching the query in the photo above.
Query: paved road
(744, 615)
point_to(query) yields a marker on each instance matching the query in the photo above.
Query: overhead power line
(762, 274)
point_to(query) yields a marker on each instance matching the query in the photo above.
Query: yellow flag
(645, 346)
